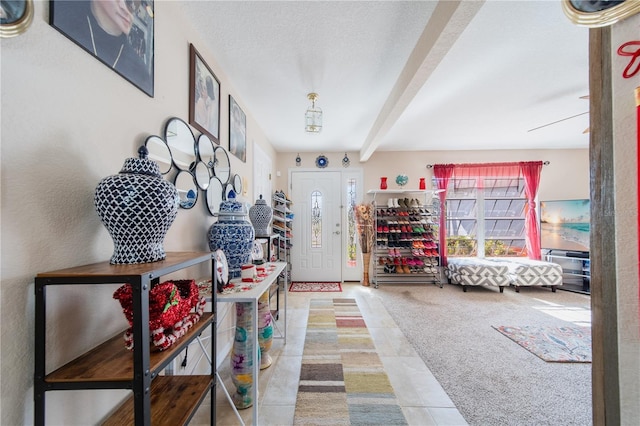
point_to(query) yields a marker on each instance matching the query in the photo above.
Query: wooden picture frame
(130, 53)
(204, 97)
(15, 17)
(237, 130)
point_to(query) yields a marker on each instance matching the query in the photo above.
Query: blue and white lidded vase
(137, 206)
(233, 234)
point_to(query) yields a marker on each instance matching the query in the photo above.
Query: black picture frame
(204, 96)
(237, 130)
(131, 53)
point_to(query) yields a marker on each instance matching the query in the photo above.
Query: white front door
(317, 236)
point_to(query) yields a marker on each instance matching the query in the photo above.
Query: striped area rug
(342, 380)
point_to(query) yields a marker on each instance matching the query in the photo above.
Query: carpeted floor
(342, 376)
(309, 286)
(491, 380)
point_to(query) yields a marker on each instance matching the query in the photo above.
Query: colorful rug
(308, 286)
(342, 380)
(552, 344)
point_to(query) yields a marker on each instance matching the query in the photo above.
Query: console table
(252, 295)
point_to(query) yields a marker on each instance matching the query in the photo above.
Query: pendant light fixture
(313, 116)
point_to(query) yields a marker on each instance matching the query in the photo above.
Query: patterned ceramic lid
(141, 165)
(231, 207)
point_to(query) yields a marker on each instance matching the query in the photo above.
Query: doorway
(324, 241)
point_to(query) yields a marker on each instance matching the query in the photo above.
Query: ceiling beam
(448, 21)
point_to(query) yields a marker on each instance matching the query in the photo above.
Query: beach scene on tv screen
(565, 225)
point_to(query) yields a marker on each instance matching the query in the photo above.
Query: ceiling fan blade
(555, 122)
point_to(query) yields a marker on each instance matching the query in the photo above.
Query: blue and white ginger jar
(137, 206)
(233, 234)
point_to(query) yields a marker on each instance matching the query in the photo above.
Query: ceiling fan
(565, 119)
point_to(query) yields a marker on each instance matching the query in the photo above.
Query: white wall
(625, 134)
(67, 122)
(566, 177)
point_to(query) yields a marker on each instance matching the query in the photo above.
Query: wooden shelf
(173, 262)
(173, 401)
(155, 398)
(112, 362)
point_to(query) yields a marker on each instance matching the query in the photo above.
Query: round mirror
(206, 150)
(181, 142)
(221, 165)
(202, 175)
(159, 152)
(237, 184)
(187, 189)
(214, 195)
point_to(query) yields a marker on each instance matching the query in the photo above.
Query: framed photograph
(204, 97)
(15, 17)
(118, 33)
(237, 130)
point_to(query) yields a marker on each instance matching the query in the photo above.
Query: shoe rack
(407, 245)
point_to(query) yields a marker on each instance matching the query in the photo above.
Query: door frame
(357, 173)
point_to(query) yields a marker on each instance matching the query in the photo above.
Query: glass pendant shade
(313, 116)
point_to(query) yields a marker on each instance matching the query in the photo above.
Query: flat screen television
(565, 225)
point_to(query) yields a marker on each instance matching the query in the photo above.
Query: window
(486, 217)
(316, 219)
(352, 242)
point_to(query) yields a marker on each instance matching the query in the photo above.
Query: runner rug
(309, 286)
(552, 344)
(342, 380)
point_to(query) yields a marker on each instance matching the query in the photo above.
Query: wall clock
(322, 161)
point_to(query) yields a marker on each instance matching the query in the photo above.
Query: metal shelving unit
(111, 366)
(407, 239)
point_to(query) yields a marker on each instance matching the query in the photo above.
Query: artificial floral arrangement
(364, 223)
(174, 307)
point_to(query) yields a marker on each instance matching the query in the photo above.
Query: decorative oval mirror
(206, 150)
(15, 18)
(159, 152)
(202, 176)
(594, 14)
(181, 142)
(214, 195)
(237, 184)
(187, 189)
(221, 165)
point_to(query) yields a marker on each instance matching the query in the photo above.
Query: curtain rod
(546, 163)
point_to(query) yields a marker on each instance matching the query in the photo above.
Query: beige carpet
(490, 379)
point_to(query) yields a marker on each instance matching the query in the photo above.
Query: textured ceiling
(404, 75)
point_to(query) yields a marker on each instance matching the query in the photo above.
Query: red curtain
(442, 173)
(529, 170)
(531, 173)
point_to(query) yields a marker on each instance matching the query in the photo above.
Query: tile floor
(421, 397)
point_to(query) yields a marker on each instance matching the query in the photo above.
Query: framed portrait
(237, 130)
(120, 34)
(15, 17)
(593, 14)
(204, 97)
